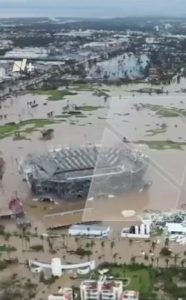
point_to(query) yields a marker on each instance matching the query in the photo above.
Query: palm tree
(183, 261)
(112, 245)
(27, 239)
(167, 262)
(87, 245)
(157, 260)
(166, 242)
(130, 241)
(77, 240)
(133, 259)
(36, 230)
(152, 260)
(176, 257)
(114, 256)
(42, 239)
(92, 243)
(7, 238)
(153, 245)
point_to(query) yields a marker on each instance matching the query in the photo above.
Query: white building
(89, 230)
(57, 268)
(27, 52)
(176, 228)
(130, 295)
(142, 231)
(103, 289)
(63, 294)
(89, 290)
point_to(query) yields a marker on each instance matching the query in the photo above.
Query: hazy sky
(92, 8)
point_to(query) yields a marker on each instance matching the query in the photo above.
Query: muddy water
(166, 169)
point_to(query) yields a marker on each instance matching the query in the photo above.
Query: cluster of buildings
(104, 289)
(149, 54)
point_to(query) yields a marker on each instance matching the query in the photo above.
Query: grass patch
(37, 248)
(148, 280)
(167, 112)
(148, 91)
(83, 87)
(152, 132)
(89, 108)
(7, 248)
(54, 94)
(140, 278)
(19, 137)
(100, 93)
(19, 131)
(162, 145)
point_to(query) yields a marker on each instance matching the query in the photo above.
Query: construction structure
(67, 173)
(102, 289)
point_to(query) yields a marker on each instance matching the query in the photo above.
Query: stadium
(68, 173)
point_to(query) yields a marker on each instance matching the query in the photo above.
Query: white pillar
(142, 229)
(137, 230)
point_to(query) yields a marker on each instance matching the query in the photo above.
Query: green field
(140, 279)
(148, 280)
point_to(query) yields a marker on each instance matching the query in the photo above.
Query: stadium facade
(70, 173)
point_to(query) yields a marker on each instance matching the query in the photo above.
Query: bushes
(165, 251)
(82, 252)
(37, 248)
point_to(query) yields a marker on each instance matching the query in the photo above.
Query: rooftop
(130, 295)
(70, 163)
(176, 227)
(90, 284)
(89, 227)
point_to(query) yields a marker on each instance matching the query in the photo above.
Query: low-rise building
(89, 230)
(111, 290)
(137, 231)
(176, 228)
(89, 290)
(102, 289)
(130, 295)
(63, 294)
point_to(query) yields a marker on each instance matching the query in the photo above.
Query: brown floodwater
(117, 118)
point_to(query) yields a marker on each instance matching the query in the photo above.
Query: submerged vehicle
(73, 173)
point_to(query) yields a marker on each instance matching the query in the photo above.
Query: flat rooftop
(90, 227)
(65, 219)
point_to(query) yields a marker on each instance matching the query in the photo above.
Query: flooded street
(132, 115)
